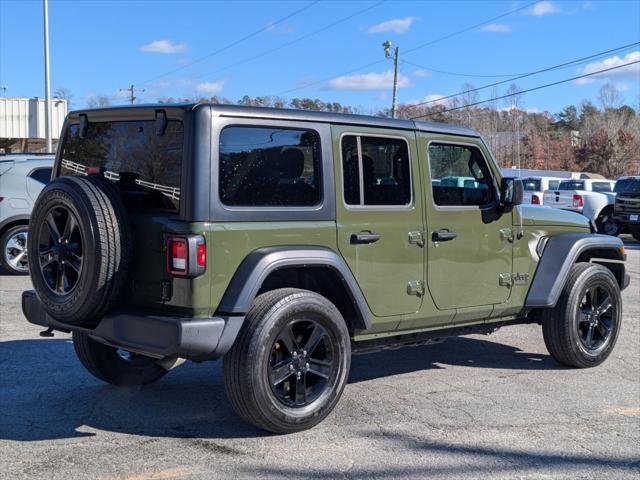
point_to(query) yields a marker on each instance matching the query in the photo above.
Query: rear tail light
(535, 200)
(577, 201)
(186, 255)
(1, 199)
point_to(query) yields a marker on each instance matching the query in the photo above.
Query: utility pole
(396, 57)
(132, 92)
(47, 82)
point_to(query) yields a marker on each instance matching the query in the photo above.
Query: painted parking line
(624, 410)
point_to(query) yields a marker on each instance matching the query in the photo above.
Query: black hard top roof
(290, 114)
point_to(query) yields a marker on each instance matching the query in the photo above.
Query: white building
(22, 123)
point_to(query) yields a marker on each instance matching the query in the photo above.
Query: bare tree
(64, 94)
(94, 101)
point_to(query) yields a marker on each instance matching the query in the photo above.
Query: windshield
(571, 185)
(147, 166)
(628, 185)
(532, 184)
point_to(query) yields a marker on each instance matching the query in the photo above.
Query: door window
(376, 171)
(459, 175)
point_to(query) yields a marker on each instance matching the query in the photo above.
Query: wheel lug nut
(290, 367)
(306, 365)
(304, 353)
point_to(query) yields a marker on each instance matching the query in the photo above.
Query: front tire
(289, 365)
(114, 366)
(583, 327)
(607, 225)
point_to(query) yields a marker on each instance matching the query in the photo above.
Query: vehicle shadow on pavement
(478, 461)
(47, 394)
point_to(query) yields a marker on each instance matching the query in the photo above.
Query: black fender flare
(559, 254)
(23, 218)
(257, 266)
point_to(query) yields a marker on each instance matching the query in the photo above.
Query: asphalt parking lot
(493, 406)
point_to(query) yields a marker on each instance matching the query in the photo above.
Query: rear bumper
(158, 336)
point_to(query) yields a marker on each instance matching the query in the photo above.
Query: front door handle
(365, 237)
(443, 236)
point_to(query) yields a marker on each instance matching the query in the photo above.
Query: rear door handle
(443, 236)
(365, 237)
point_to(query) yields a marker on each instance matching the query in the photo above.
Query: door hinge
(415, 287)
(506, 234)
(416, 238)
(505, 280)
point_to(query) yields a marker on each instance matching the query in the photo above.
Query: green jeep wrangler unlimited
(284, 241)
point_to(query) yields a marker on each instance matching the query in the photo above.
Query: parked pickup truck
(592, 198)
(627, 206)
(534, 188)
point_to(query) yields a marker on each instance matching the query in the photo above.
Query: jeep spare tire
(79, 242)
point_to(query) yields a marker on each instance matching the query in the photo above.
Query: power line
(547, 69)
(431, 42)
(520, 92)
(299, 39)
(234, 43)
(454, 74)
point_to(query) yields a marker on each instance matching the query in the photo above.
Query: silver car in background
(22, 177)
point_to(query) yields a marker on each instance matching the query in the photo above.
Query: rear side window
(376, 171)
(601, 187)
(147, 166)
(269, 167)
(459, 175)
(42, 175)
(571, 185)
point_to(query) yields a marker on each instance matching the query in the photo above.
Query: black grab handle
(443, 236)
(365, 237)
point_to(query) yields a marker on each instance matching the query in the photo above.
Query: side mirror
(511, 191)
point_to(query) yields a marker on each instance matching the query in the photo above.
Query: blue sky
(98, 47)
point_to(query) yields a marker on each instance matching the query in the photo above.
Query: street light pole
(47, 83)
(396, 57)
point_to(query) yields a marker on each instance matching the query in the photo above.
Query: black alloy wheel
(596, 319)
(60, 250)
(302, 363)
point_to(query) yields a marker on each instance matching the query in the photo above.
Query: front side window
(459, 175)
(376, 171)
(269, 167)
(147, 166)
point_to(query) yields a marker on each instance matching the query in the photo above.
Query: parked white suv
(22, 176)
(591, 197)
(534, 188)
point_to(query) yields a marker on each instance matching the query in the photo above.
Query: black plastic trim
(159, 336)
(257, 266)
(560, 253)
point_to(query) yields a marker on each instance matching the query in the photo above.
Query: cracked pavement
(493, 406)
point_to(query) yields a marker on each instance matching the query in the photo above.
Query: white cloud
(368, 81)
(496, 27)
(163, 46)
(432, 99)
(210, 87)
(396, 25)
(422, 73)
(278, 28)
(543, 8)
(630, 72)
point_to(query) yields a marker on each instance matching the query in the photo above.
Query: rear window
(627, 185)
(269, 167)
(532, 184)
(553, 184)
(601, 187)
(571, 185)
(147, 166)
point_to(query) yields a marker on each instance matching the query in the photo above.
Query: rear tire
(115, 366)
(289, 365)
(13, 250)
(583, 327)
